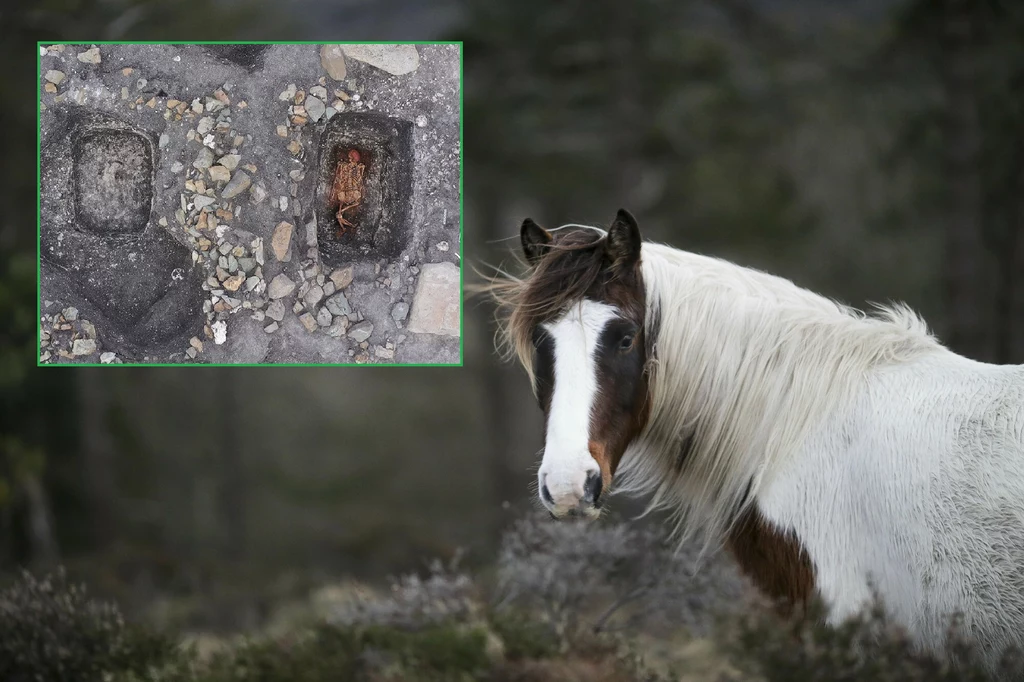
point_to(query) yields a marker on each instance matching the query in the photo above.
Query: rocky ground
(187, 204)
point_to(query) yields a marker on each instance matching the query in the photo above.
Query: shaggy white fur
(898, 464)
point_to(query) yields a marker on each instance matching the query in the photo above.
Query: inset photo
(266, 203)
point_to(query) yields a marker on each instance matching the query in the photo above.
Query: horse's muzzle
(573, 505)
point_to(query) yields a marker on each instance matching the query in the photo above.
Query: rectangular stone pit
(112, 181)
(381, 221)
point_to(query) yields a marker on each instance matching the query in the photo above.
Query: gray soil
(187, 213)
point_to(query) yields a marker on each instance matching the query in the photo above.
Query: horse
(842, 456)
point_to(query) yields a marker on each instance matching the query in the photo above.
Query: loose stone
(342, 277)
(202, 201)
(324, 318)
(360, 331)
(238, 184)
(394, 59)
(219, 173)
(90, 56)
(280, 243)
(332, 58)
(204, 159)
(83, 347)
(205, 125)
(230, 161)
(276, 310)
(54, 76)
(280, 287)
(338, 305)
(314, 295)
(234, 282)
(315, 108)
(220, 331)
(309, 322)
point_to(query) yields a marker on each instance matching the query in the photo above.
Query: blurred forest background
(869, 150)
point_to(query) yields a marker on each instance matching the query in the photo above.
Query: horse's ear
(535, 239)
(623, 245)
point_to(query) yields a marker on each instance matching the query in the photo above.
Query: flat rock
(275, 310)
(400, 311)
(230, 161)
(204, 159)
(90, 56)
(315, 108)
(313, 296)
(337, 328)
(338, 305)
(435, 306)
(219, 173)
(360, 331)
(281, 242)
(83, 347)
(332, 58)
(239, 183)
(289, 92)
(234, 282)
(54, 76)
(202, 201)
(342, 277)
(394, 59)
(280, 287)
(324, 318)
(220, 331)
(309, 322)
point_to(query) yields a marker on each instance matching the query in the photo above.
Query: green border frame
(462, 199)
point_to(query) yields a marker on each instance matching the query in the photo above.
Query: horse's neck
(867, 491)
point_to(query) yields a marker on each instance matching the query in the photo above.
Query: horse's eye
(627, 342)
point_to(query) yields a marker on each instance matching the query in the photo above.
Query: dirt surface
(187, 212)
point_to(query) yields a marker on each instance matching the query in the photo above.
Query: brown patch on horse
(776, 562)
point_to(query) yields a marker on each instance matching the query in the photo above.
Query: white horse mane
(745, 365)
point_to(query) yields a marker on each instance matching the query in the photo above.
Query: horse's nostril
(546, 495)
(592, 488)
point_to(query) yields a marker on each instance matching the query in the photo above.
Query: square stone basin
(380, 221)
(112, 181)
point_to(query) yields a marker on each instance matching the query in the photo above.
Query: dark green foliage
(865, 648)
(342, 653)
(524, 635)
(50, 631)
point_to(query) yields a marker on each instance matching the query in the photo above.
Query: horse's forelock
(570, 267)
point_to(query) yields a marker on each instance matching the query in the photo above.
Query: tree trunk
(97, 455)
(493, 377)
(967, 294)
(231, 469)
(42, 543)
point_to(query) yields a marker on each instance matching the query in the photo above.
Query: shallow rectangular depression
(381, 221)
(113, 181)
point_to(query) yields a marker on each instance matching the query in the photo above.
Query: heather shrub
(51, 631)
(446, 594)
(329, 653)
(637, 579)
(867, 647)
